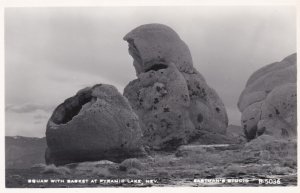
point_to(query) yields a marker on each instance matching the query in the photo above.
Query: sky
(51, 53)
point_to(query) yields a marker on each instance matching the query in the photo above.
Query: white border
(92, 3)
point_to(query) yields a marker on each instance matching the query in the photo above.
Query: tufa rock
(172, 99)
(95, 124)
(269, 101)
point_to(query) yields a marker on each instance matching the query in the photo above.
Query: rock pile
(172, 99)
(97, 123)
(269, 101)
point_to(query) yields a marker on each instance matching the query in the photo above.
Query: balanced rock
(269, 101)
(172, 99)
(97, 123)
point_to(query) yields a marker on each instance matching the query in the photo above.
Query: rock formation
(97, 123)
(172, 99)
(269, 101)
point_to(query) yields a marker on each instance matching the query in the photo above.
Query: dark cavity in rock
(71, 107)
(157, 67)
(251, 134)
(199, 118)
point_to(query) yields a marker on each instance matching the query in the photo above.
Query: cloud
(40, 116)
(26, 124)
(38, 122)
(28, 108)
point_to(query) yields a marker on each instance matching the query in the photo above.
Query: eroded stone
(171, 98)
(268, 103)
(97, 123)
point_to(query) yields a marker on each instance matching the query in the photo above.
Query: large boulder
(172, 99)
(269, 101)
(97, 123)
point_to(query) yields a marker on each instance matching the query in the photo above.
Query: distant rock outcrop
(97, 123)
(172, 99)
(269, 101)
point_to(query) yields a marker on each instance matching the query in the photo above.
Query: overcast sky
(51, 53)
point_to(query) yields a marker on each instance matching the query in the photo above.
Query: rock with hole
(96, 124)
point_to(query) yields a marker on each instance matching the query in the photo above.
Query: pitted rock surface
(269, 101)
(172, 99)
(97, 123)
(155, 44)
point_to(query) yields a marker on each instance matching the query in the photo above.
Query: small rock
(130, 163)
(52, 169)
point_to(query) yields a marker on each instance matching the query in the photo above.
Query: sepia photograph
(150, 96)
